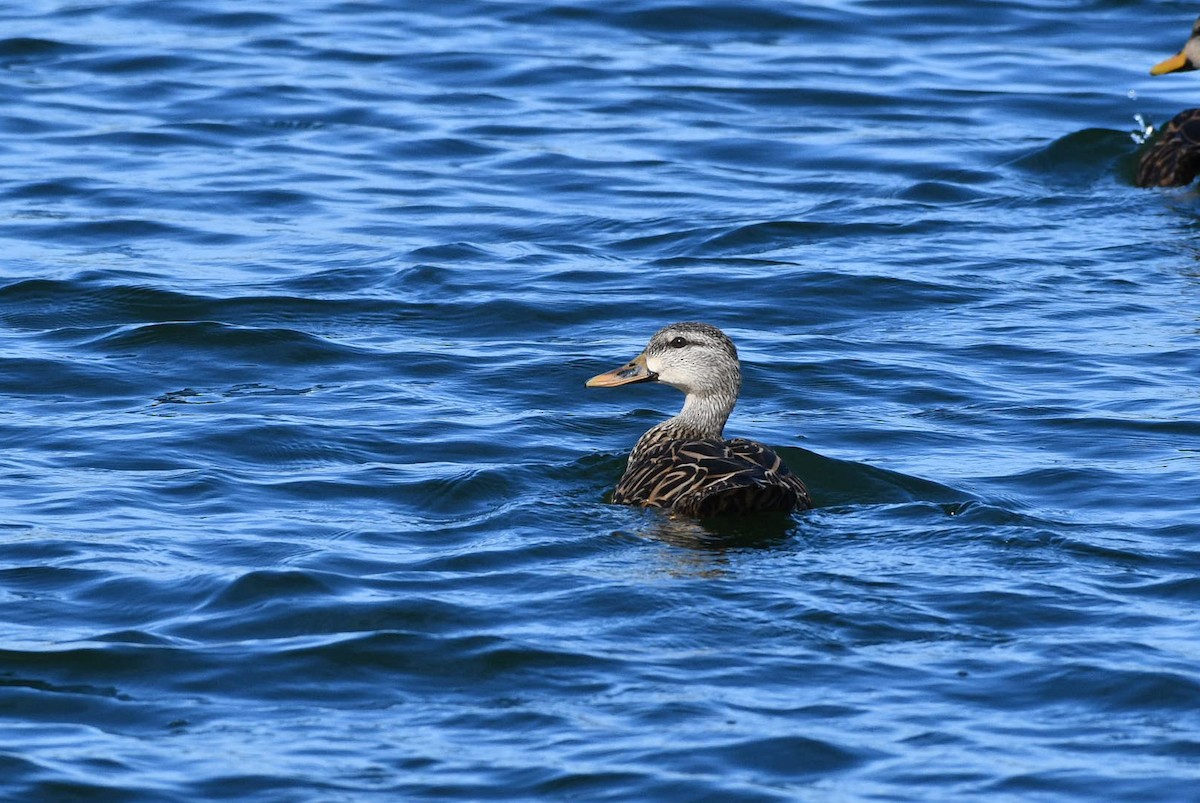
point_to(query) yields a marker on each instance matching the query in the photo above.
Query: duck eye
(678, 343)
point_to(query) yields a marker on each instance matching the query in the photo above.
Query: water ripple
(297, 306)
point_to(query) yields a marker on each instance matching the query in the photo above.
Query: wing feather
(1175, 158)
(710, 477)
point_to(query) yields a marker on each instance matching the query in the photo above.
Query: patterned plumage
(684, 464)
(1174, 159)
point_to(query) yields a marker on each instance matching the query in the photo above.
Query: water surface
(303, 497)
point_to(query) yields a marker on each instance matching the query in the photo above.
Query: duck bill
(634, 371)
(1177, 63)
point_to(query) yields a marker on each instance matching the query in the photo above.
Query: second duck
(1174, 159)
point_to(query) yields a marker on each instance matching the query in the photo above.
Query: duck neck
(702, 417)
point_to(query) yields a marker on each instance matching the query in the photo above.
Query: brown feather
(1175, 158)
(710, 477)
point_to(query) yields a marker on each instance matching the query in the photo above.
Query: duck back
(711, 476)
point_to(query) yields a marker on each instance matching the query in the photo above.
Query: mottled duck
(685, 465)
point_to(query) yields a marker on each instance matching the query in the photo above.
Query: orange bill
(1174, 64)
(633, 371)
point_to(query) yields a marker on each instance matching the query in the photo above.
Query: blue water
(303, 499)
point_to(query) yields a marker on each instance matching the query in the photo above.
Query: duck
(1175, 158)
(685, 465)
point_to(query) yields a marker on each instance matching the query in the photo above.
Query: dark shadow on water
(834, 482)
(1082, 158)
(721, 533)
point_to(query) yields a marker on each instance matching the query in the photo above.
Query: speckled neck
(701, 417)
